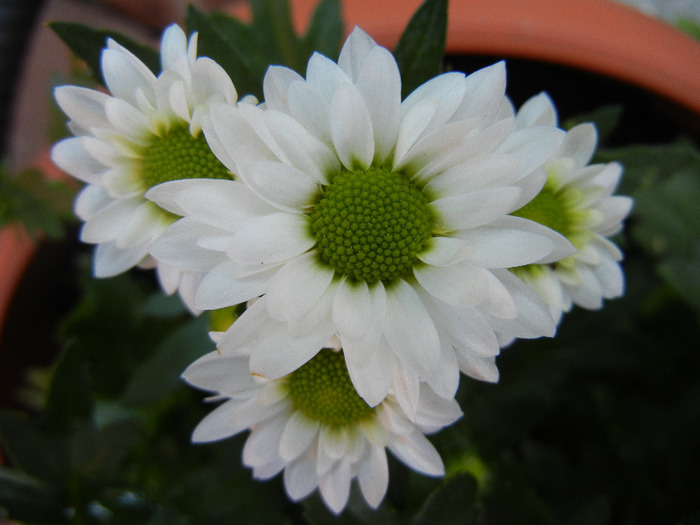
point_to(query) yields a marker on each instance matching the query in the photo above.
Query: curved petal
(460, 284)
(270, 239)
(351, 128)
(285, 187)
(409, 330)
(297, 436)
(417, 452)
(221, 287)
(297, 287)
(379, 83)
(469, 210)
(373, 476)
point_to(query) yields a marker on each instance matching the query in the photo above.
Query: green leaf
(668, 216)
(421, 49)
(228, 42)
(42, 205)
(160, 375)
(605, 119)
(682, 274)
(98, 453)
(453, 502)
(272, 23)
(325, 33)
(36, 452)
(87, 43)
(27, 499)
(69, 401)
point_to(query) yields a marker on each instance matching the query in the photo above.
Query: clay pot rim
(600, 36)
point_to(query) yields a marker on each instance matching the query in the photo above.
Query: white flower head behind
(145, 132)
(578, 202)
(313, 425)
(384, 223)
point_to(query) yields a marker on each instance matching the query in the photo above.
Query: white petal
(173, 50)
(505, 248)
(301, 148)
(484, 93)
(460, 284)
(417, 452)
(470, 210)
(379, 82)
(271, 238)
(221, 287)
(532, 146)
(445, 251)
(125, 75)
(579, 144)
(300, 478)
(263, 442)
(72, 157)
(297, 436)
(352, 309)
(285, 187)
(178, 245)
(373, 476)
(479, 367)
(84, 106)
(356, 53)
(278, 353)
(297, 287)
(370, 368)
(409, 329)
(335, 487)
(219, 373)
(324, 76)
(351, 128)
(111, 260)
(276, 84)
(537, 111)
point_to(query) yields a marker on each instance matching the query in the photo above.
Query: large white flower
(313, 425)
(146, 131)
(578, 202)
(383, 222)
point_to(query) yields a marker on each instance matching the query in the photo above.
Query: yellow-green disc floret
(179, 155)
(322, 391)
(371, 224)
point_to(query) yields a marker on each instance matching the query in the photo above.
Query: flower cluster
(383, 246)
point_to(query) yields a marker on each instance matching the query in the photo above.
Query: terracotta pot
(594, 35)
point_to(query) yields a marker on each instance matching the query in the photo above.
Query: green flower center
(549, 210)
(178, 155)
(322, 391)
(371, 224)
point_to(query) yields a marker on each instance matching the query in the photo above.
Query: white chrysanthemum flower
(147, 131)
(382, 222)
(313, 425)
(578, 202)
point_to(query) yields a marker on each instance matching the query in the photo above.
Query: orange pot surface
(596, 35)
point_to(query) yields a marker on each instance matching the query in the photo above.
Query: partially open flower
(313, 425)
(146, 131)
(577, 201)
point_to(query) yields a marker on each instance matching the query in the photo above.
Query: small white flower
(578, 202)
(146, 131)
(382, 222)
(314, 426)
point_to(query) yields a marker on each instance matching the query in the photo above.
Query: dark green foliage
(87, 43)
(40, 204)
(421, 47)
(246, 51)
